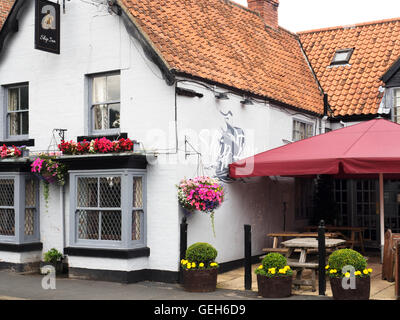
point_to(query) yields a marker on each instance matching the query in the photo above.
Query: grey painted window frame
(127, 209)
(19, 209)
(303, 122)
(392, 100)
(89, 92)
(5, 132)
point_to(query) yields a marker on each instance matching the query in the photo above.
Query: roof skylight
(342, 56)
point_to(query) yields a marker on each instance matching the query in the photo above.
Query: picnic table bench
(304, 244)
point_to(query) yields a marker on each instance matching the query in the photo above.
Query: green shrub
(53, 255)
(274, 265)
(346, 257)
(274, 260)
(201, 252)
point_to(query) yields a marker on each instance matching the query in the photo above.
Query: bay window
(19, 214)
(108, 208)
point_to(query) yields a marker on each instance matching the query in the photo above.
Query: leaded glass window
(109, 208)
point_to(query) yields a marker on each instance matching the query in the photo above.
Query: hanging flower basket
(50, 171)
(201, 194)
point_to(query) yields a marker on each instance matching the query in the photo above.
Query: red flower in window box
(7, 152)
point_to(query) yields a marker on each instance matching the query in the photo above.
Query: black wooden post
(183, 238)
(322, 257)
(183, 241)
(247, 257)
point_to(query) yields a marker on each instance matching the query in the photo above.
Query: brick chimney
(268, 9)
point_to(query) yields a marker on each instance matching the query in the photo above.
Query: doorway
(358, 206)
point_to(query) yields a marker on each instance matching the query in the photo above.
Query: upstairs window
(396, 106)
(105, 103)
(302, 130)
(342, 57)
(17, 111)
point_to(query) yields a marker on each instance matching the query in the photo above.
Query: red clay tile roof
(226, 43)
(5, 8)
(353, 89)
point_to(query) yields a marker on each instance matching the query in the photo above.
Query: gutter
(246, 93)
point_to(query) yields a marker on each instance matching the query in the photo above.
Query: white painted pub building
(185, 80)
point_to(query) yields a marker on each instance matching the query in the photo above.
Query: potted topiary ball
(349, 277)
(274, 277)
(199, 268)
(53, 258)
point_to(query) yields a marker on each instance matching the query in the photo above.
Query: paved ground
(230, 286)
(380, 289)
(15, 286)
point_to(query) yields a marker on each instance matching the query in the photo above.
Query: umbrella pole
(382, 214)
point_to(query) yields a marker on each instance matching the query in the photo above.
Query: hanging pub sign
(47, 26)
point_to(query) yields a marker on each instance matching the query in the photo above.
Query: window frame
(90, 123)
(20, 207)
(304, 197)
(344, 61)
(306, 123)
(395, 107)
(126, 242)
(6, 127)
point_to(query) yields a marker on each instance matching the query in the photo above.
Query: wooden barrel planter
(361, 292)
(274, 287)
(200, 280)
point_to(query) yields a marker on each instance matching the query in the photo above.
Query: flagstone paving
(380, 289)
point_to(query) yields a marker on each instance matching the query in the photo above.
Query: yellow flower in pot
(274, 277)
(199, 268)
(349, 276)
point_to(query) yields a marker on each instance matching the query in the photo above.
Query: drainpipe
(62, 209)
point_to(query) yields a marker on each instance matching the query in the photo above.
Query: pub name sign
(47, 26)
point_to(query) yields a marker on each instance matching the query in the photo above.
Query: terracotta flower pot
(200, 280)
(275, 287)
(361, 292)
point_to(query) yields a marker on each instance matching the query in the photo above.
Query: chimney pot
(268, 9)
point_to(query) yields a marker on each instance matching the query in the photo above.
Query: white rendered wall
(93, 41)
(257, 201)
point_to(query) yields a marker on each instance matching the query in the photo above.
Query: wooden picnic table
(290, 234)
(304, 244)
(356, 235)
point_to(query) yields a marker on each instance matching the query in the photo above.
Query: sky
(300, 15)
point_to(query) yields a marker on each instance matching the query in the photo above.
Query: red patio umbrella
(368, 149)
